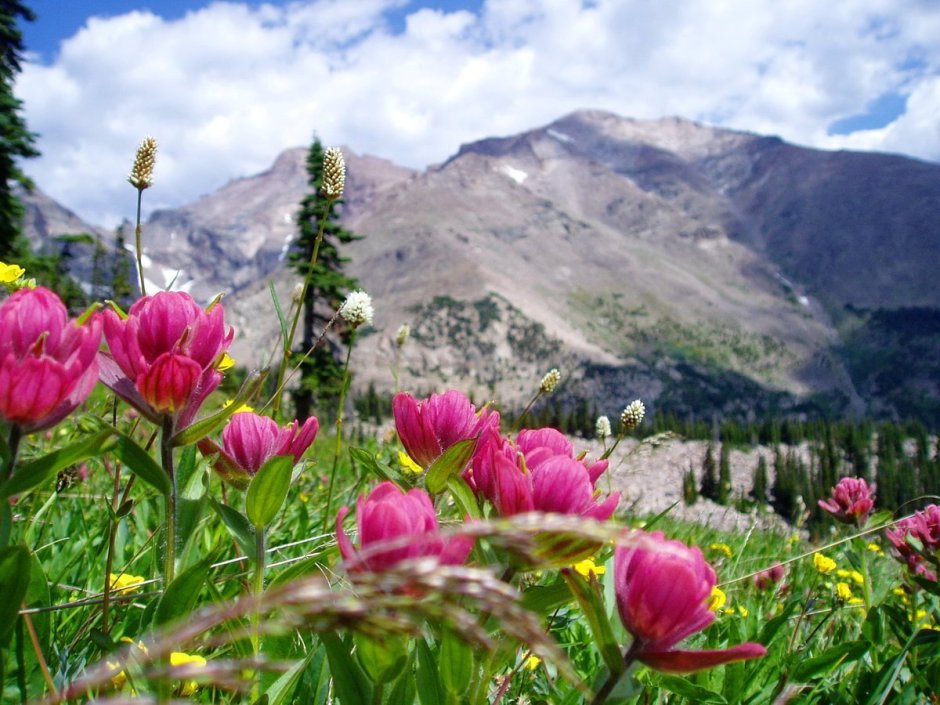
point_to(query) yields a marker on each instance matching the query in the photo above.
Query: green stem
(140, 252)
(16, 435)
(257, 591)
(112, 538)
(377, 693)
(528, 408)
(614, 678)
(166, 456)
(289, 343)
(863, 564)
(339, 432)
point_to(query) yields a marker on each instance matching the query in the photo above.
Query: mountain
(705, 270)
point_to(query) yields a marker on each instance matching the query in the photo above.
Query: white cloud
(226, 88)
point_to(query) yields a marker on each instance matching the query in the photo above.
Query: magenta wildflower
(924, 528)
(662, 590)
(769, 578)
(249, 440)
(406, 521)
(851, 501)
(430, 426)
(163, 357)
(47, 362)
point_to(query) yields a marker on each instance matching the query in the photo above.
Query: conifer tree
(709, 487)
(16, 141)
(724, 474)
(321, 374)
(760, 482)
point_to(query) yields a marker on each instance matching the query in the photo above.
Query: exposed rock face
(708, 269)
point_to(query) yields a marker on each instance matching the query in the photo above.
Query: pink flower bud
(429, 427)
(769, 578)
(924, 527)
(851, 501)
(662, 590)
(406, 522)
(47, 362)
(166, 340)
(249, 440)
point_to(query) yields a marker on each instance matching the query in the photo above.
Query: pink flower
(662, 590)
(540, 474)
(249, 440)
(404, 520)
(47, 362)
(429, 427)
(851, 501)
(769, 578)
(924, 527)
(163, 357)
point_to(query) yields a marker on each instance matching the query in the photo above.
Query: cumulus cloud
(227, 87)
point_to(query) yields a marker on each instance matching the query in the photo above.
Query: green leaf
(456, 663)
(282, 690)
(36, 472)
(142, 464)
(6, 522)
(350, 682)
(464, 496)
(692, 692)
(238, 526)
(15, 565)
(368, 461)
(545, 599)
(427, 677)
(451, 462)
(592, 604)
(209, 425)
(829, 659)
(281, 320)
(382, 657)
(405, 690)
(37, 595)
(268, 490)
(179, 598)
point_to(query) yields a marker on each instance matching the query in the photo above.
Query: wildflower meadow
(167, 537)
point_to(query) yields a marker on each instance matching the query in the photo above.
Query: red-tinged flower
(406, 522)
(769, 578)
(47, 362)
(539, 473)
(430, 426)
(924, 528)
(249, 440)
(851, 501)
(662, 590)
(163, 357)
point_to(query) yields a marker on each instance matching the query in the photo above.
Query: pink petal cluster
(430, 426)
(662, 590)
(537, 473)
(249, 440)
(924, 526)
(163, 357)
(769, 578)
(406, 522)
(47, 362)
(851, 502)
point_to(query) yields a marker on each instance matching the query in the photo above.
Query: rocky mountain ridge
(703, 269)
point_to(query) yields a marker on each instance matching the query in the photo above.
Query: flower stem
(528, 408)
(13, 443)
(37, 649)
(140, 252)
(166, 456)
(614, 678)
(339, 431)
(257, 591)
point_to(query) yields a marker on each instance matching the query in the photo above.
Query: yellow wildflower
(240, 410)
(843, 592)
(9, 273)
(407, 464)
(742, 610)
(717, 599)
(532, 662)
(123, 582)
(721, 548)
(587, 567)
(874, 548)
(225, 363)
(180, 660)
(823, 564)
(856, 577)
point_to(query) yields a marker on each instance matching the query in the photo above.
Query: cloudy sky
(225, 86)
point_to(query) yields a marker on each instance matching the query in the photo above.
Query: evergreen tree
(709, 487)
(724, 474)
(689, 493)
(760, 482)
(16, 142)
(321, 374)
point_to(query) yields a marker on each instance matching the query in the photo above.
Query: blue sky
(226, 86)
